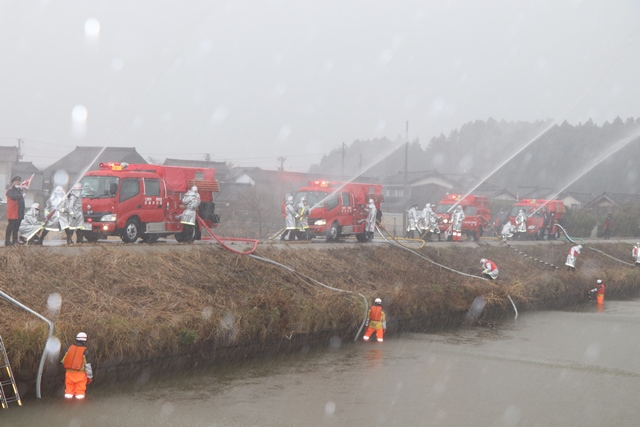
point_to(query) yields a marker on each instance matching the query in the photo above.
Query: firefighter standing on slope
(376, 322)
(413, 220)
(55, 212)
(303, 215)
(191, 201)
(371, 220)
(599, 290)
(290, 221)
(635, 252)
(76, 219)
(489, 268)
(572, 256)
(78, 368)
(521, 223)
(456, 223)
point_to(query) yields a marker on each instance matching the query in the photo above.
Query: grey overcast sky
(250, 81)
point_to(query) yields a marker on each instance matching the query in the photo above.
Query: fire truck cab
(476, 214)
(338, 209)
(137, 201)
(535, 209)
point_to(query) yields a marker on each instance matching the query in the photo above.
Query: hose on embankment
(301, 276)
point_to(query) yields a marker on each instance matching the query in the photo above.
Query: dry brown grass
(145, 305)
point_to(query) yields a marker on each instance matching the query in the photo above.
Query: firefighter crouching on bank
(78, 368)
(489, 268)
(376, 322)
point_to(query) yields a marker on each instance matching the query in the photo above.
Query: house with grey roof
(72, 167)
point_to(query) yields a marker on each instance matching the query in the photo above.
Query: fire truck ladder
(9, 381)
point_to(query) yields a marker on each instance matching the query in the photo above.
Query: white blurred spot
(385, 56)
(91, 29)
(280, 89)
(61, 178)
(284, 133)
(54, 302)
(205, 46)
(167, 408)
(330, 408)
(53, 346)
(592, 353)
(512, 416)
(219, 115)
(335, 343)
(207, 312)
(79, 121)
(117, 64)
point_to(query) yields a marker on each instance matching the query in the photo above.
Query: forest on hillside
(584, 158)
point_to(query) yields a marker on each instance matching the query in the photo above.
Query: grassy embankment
(149, 305)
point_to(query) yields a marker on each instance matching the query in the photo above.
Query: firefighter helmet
(304, 199)
(370, 200)
(377, 301)
(81, 336)
(35, 206)
(598, 281)
(289, 199)
(194, 189)
(483, 260)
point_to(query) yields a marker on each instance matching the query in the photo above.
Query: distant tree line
(583, 158)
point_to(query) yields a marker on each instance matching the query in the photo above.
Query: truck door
(153, 196)
(347, 212)
(129, 200)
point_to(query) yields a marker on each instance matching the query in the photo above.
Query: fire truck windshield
(313, 197)
(99, 187)
(516, 209)
(442, 209)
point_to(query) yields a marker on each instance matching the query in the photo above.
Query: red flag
(27, 182)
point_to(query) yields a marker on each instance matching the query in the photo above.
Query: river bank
(153, 308)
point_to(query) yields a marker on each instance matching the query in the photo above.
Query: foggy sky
(250, 81)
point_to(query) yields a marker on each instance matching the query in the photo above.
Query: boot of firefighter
(69, 237)
(42, 235)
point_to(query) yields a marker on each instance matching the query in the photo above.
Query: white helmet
(483, 260)
(194, 189)
(377, 301)
(428, 205)
(598, 281)
(81, 336)
(370, 200)
(638, 244)
(35, 206)
(304, 199)
(290, 199)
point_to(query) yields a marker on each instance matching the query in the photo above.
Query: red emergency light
(114, 166)
(319, 183)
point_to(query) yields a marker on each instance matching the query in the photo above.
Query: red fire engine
(535, 209)
(476, 214)
(337, 209)
(142, 201)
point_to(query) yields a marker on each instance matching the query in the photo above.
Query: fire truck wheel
(333, 233)
(131, 231)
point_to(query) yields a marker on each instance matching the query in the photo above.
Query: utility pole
(281, 159)
(20, 144)
(342, 170)
(207, 157)
(406, 179)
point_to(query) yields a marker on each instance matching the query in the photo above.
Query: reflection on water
(545, 368)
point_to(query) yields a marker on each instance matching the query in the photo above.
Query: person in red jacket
(15, 212)
(608, 226)
(489, 268)
(376, 322)
(78, 368)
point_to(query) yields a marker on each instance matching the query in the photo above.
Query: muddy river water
(543, 369)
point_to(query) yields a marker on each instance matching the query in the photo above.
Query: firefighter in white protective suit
(572, 256)
(303, 216)
(507, 230)
(521, 223)
(430, 220)
(31, 226)
(290, 221)
(635, 252)
(191, 201)
(55, 212)
(371, 220)
(456, 223)
(412, 215)
(74, 207)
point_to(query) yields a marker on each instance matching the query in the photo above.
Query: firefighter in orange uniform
(376, 322)
(599, 290)
(78, 369)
